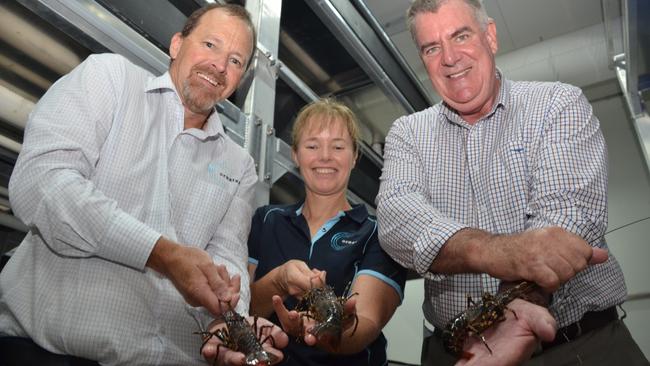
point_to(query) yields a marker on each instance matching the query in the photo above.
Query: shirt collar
(358, 213)
(213, 126)
(501, 102)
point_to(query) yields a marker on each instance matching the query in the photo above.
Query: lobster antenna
(626, 225)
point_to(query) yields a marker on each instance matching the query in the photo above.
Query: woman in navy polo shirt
(295, 247)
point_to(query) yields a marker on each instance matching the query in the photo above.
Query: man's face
(459, 58)
(209, 63)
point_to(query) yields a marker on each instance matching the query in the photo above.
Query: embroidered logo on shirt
(341, 241)
(215, 172)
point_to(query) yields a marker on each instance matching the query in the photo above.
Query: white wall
(629, 200)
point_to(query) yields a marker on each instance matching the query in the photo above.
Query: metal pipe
(10, 144)
(24, 72)
(12, 222)
(36, 43)
(14, 108)
(388, 43)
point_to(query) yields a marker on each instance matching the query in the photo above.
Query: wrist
(278, 281)
(160, 254)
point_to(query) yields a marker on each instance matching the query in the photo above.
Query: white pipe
(24, 72)
(14, 108)
(10, 144)
(36, 43)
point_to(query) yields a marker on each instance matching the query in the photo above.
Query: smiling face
(458, 55)
(325, 154)
(209, 63)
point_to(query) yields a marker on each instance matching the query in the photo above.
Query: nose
(449, 55)
(324, 153)
(220, 63)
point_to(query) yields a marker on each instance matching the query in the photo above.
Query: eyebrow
(456, 33)
(216, 39)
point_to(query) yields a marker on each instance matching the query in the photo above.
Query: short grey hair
(432, 6)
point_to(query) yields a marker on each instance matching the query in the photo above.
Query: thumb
(598, 255)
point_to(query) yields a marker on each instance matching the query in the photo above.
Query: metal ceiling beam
(362, 42)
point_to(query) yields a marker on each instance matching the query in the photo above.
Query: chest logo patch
(217, 173)
(344, 240)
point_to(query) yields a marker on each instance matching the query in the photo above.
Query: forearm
(354, 341)
(464, 252)
(262, 292)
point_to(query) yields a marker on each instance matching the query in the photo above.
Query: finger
(310, 339)
(215, 276)
(538, 318)
(231, 358)
(598, 255)
(287, 322)
(350, 306)
(209, 351)
(233, 289)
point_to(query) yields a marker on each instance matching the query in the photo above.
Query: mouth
(459, 74)
(215, 81)
(324, 170)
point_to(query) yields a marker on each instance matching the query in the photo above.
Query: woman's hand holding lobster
(299, 325)
(296, 278)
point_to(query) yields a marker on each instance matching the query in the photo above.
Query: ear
(175, 45)
(491, 34)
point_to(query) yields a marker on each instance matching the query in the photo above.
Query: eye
(462, 37)
(310, 147)
(208, 44)
(431, 50)
(236, 61)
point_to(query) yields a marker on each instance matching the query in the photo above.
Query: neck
(472, 118)
(194, 120)
(319, 207)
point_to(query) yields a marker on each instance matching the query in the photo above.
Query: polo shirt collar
(358, 213)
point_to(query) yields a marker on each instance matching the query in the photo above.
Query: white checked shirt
(537, 160)
(106, 169)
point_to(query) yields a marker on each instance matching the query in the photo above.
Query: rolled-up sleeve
(569, 187)
(411, 230)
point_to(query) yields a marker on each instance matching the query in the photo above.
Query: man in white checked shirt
(137, 204)
(502, 181)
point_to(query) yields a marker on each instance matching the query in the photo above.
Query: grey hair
(432, 6)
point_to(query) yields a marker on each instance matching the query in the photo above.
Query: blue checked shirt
(538, 159)
(106, 169)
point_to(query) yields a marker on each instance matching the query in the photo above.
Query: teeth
(459, 74)
(208, 79)
(324, 170)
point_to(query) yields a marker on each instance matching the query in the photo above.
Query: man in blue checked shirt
(138, 206)
(502, 181)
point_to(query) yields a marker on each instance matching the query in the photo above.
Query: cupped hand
(298, 325)
(273, 338)
(513, 340)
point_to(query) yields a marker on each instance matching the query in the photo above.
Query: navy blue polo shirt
(346, 246)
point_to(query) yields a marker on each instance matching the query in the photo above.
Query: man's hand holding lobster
(215, 348)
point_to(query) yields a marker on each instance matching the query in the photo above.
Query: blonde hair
(326, 110)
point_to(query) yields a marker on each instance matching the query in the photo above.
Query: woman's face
(325, 156)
